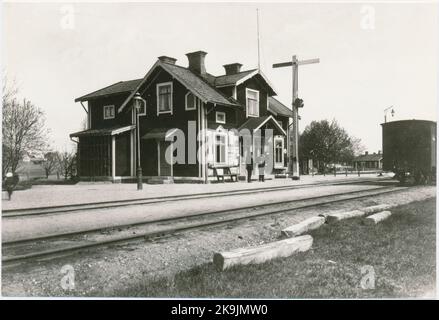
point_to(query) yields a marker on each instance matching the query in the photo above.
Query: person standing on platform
(261, 168)
(249, 168)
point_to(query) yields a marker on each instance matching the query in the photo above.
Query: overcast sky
(368, 62)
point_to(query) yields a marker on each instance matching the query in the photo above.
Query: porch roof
(102, 132)
(159, 133)
(255, 123)
(278, 108)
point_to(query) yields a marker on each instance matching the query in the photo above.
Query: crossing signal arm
(298, 103)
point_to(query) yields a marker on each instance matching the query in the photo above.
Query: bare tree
(9, 90)
(50, 162)
(23, 128)
(67, 164)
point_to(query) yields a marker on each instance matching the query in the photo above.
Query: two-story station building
(181, 98)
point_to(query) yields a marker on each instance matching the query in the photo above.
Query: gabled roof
(116, 88)
(278, 108)
(231, 79)
(204, 87)
(369, 157)
(241, 77)
(255, 123)
(197, 85)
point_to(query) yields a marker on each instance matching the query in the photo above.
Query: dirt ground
(107, 272)
(52, 195)
(18, 228)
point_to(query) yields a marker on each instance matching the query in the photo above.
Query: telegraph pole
(293, 135)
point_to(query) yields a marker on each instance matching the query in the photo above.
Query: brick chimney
(166, 59)
(196, 62)
(232, 68)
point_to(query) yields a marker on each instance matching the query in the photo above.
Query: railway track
(60, 245)
(24, 212)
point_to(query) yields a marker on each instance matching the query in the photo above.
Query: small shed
(368, 162)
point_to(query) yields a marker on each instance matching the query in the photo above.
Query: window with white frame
(191, 101)
(142, 110)
(278, 152)
(220, 148)
(220, 117)
(164, 97)
(109, 112)
(252, 98)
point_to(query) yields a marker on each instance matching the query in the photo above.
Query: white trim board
(277, 124)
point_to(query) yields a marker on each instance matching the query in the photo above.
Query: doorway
(165, 158)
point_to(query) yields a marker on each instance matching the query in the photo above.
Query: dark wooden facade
(97, 153)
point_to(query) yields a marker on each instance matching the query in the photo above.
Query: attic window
(190, 102)
(220, 117)
(252, 99)
(108, 112)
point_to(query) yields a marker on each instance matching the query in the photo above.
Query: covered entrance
(265, 141)
(164, 159)
(105, 153)
(157, 155)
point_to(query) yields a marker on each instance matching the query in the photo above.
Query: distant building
(367, 162)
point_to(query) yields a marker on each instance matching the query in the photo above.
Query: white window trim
(224, 134)
(220, 113)
(188, 108)
(246, 102)
(281, 163)
(157, 95)
(114, 112)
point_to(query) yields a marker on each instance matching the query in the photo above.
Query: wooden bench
(229, 172)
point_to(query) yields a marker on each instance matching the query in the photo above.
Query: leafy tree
(326, 142)
(23, 129)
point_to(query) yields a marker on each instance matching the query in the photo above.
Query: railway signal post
(293, 135)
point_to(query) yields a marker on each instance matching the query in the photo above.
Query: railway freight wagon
(409, 150)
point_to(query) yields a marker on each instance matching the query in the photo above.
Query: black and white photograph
(219, 150)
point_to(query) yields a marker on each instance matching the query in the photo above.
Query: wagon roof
(408, 121)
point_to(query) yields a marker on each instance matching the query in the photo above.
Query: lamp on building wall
(392, 112)
(138, 101)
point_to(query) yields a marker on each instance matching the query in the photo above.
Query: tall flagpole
(257, 26)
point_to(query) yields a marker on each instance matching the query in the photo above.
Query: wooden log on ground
(262, 253)
(304, 226)
(377, 208)
(335, 217)
(377, 217)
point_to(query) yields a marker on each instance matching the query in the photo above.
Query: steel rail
(59, 209)
(172, 231)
